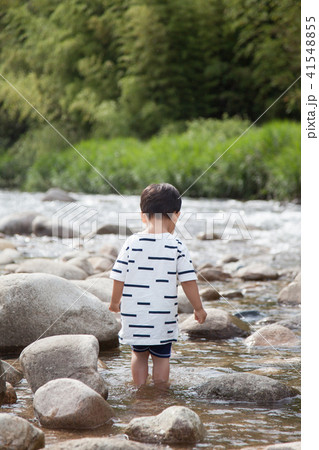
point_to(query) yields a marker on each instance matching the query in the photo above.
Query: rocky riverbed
(235, 382)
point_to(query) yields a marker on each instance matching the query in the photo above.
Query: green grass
(264, 163)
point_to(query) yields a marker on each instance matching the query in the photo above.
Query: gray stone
(44, 226)
(8, 256)
(184, 305)
(175, 425)
(101, 263)
(232, 294)
(58, 268)
(273, 335)
(102, 443)
(209, 293)
(83, 264)
(66, 356)
(100, 287)
(211, 274)
(4, 243)
(291, 294)
(257, 272)
(13, 375)
(58, 194)
(293, 323)
(41, 305)
(18, 434)
(10, 396)
(2, 382)
(208, 236)
(114, 229)
(70, 404)
(245, 387)
(17, 223)
(219, 324)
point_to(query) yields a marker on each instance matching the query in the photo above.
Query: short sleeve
(185, 268)
(119, 269)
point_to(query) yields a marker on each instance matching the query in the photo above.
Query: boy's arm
(116, 296)
(191, 290)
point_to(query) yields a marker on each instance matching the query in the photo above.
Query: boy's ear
(178, 214)
(143, 217)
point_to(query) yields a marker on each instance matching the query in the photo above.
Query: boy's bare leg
(160, 369)
(139, 366)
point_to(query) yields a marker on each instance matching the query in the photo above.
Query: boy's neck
(164, 225)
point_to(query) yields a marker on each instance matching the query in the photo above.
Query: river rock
(245, 387)
(17, 223)
(291, 294)
(58, 268)
(109, 250)
(219, 324)
(101, 263)
(114, 229)
(102, 443)
(34, 305)
(209, 293)
(8, 256)
(4, 243)
(56, 194)
(208, 236)
(100, 287)
(2, 383)
(175, 425)
(70, 404)
(13, 375)
(10, 396)
(184, 305)
(293, 323)
(18, 434)
(44, 226)
(232, 294)
(272, 336)
(211, 274)
(66, 356)
(257, 272)
(83, 264)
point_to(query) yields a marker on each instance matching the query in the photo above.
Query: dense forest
(143, 70)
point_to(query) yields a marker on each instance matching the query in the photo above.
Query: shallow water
(275, 239)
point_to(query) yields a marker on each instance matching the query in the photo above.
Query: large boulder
(100, 287)
(58, 268)
(101, 443)
(18, 434)
(245, 387)
(70, 404)
(219, 324)
(45, 226)
(175, 425)
(258, 272)
(17, 223)
(57, 194)
(41, 305)
(291, 294)
(2, 382)
(273, 335)
(66, 356)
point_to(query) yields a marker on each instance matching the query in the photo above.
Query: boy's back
(150, 265)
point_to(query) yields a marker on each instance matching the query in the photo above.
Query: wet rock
(17, 223)
(272, 336)
(102, 443)
(175, 425)
(211, 274)
(65, 356)
(229, 259)
(8, 256)
(56, 194)
(291, 294)
(70, 404)
(18, 434)
(257, 272)
(83, 264)
(100, 287)
(219, 324)
(293, 323)
(13, 375)
(245, 387)
(58, 268)
(10, 396)
(114, 229)
(232, 294)
(101, 263)
(2, 383)
(75, 254)
(33, 305)
(4, 243)
(44, 226)
(184, 305)
(209, 293)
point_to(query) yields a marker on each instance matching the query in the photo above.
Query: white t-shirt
(150, 265)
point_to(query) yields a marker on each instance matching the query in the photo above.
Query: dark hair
(160, 198)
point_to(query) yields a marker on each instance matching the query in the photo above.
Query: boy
(145, 278)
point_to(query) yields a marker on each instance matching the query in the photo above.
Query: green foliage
(263, 163)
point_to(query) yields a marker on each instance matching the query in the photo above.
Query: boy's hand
(114, 307)
(200, 315)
